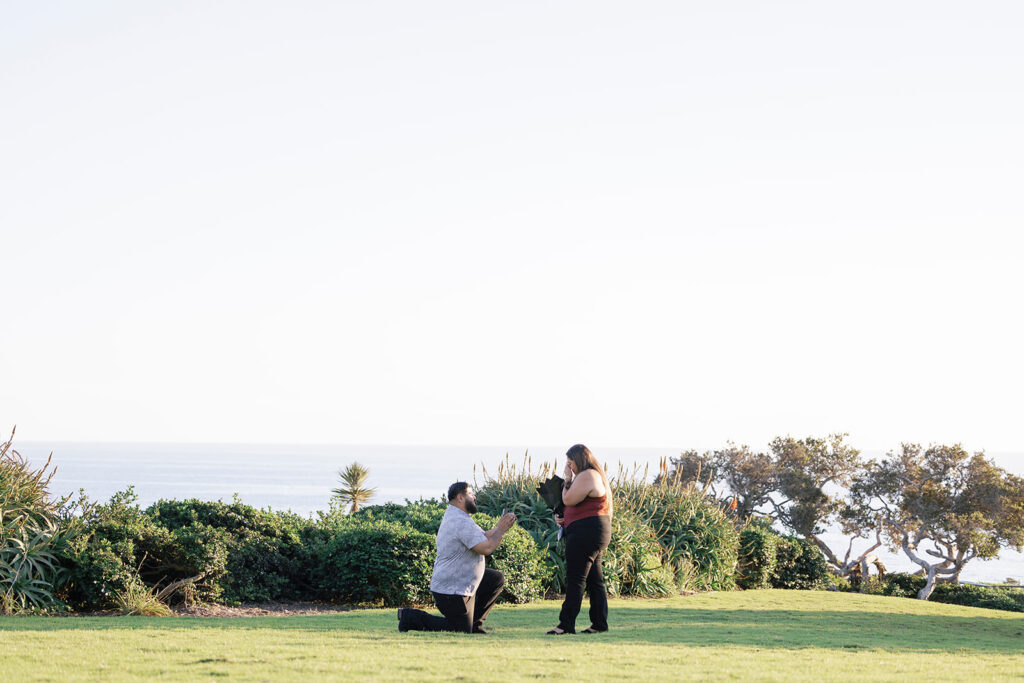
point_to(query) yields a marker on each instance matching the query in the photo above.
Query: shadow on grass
(656, 625)
(840, 630)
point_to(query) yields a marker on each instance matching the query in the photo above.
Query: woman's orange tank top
(589, 507)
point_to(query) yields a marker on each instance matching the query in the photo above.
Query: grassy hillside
(762, 635)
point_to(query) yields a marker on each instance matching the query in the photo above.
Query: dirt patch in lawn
(268, 609)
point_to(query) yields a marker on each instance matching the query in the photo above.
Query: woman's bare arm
(583, 484)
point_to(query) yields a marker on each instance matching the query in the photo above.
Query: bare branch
(169, 589)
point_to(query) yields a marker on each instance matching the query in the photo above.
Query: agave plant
(353, 490)
(514, 488)
(694, 530)
(665, 536)
(34, 529)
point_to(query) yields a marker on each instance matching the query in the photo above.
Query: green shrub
(990, 597)
(632, 564)
(423, 515)
(120, 541)
(799, 564)
(902, 585)
(771, 560)
(266, 557)
(757, 557)
(897, 584)
(100, 570)
(692, 530)
(841, 583)
(374, 562)
(518, 558)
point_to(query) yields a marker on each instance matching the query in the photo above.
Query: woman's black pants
(585, 540)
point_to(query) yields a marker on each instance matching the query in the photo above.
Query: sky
(667, 224)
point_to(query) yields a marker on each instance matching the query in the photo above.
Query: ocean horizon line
(522, 447)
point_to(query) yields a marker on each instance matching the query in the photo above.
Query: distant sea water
(300, 477)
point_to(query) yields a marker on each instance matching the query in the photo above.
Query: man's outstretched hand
(495, 535)
(506, 521)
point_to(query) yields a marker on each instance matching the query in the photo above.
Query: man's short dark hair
(455, 489)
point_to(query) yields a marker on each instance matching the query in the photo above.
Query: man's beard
(471, 507)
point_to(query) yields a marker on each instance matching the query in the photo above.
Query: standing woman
(588, 528)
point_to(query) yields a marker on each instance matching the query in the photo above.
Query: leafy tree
(941, 506)
(748, 476)
(798, 483)
(353, 491)
(809, 474)
(733, 472)
(691, 467)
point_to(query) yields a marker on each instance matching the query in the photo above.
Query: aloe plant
(34, 528)
(665, 536)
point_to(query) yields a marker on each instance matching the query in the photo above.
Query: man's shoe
(402, 625)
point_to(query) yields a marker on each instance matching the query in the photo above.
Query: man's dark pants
(462, 613)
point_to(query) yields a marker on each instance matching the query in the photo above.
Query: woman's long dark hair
(585, 460)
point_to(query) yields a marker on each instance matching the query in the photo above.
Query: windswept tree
(747, 475)
(942, 507)
(798, 483)
(691, 467)
(808, 496)
(353, 490)
(735, 473)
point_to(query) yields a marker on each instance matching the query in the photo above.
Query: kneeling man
(464, 590)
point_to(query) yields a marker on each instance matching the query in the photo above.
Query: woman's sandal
(555, 632)
(591, 629)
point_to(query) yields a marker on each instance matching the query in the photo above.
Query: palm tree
(353, 491)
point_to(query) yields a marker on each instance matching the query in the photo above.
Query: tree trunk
(865, 572)
(926, 567)
(830, 557)
(929, 585)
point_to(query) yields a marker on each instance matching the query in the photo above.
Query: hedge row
(903, 585)
(241, 554)
(384, 554)
(665, 537)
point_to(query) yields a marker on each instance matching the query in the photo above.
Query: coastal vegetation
(941, 506)
(35, 532)
(706, 522)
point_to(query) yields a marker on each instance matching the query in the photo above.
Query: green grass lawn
(764, 635)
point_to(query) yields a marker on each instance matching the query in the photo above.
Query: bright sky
(627, 224)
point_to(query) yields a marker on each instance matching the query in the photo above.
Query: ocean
(300, 477)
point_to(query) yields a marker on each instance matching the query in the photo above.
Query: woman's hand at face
(568, 471)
